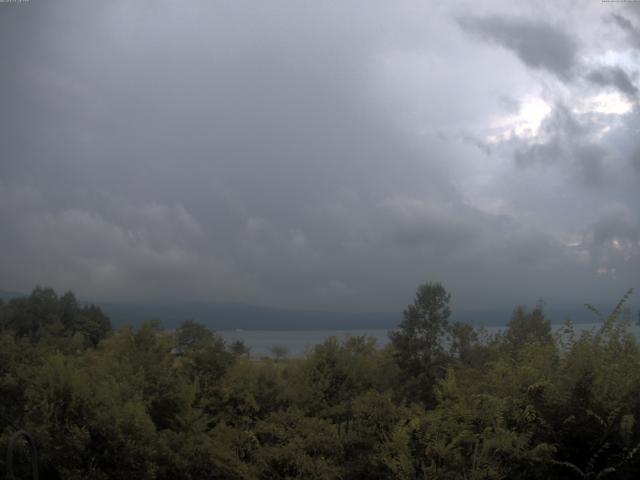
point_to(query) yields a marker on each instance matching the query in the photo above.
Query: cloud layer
(320, 156)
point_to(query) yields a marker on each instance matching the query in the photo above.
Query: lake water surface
(297, 342)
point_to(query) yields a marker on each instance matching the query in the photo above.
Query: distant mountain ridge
(233, 316)
(6, 295)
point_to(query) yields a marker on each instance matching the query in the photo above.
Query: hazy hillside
(232, 316)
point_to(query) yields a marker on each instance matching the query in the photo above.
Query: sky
(321, 155)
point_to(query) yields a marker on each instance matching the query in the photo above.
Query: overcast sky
(321, 155)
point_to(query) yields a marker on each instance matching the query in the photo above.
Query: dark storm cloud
(617, 223)
(195, 157)
(630, 28)
(483, 146)
(564, 139)
(542, 46)
(627, 138)
(613, 241)
(538, 44)
(419, 224)
(550, 151)
(615, 77)
(635, 158)
(295, 154)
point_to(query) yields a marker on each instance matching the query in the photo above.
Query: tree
(93, 324)
(44, 315)
(525, 327)
(239, 348)
(192, 336)
(279, 352)
(463, 340)
(418, 342)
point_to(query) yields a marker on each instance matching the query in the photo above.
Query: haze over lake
(298, 342)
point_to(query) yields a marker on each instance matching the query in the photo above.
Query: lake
(297, 342)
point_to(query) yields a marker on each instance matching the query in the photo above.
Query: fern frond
(570, 466)
(618, 308)
(605, 472)
(596, 455)
(595, 311)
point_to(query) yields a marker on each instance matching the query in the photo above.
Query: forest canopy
(442, 400)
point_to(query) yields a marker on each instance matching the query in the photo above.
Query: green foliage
(440, 402)
(418, 342)
(44, 315)
(464, 342)
(525, 327)
(192, 336)
(296, 446)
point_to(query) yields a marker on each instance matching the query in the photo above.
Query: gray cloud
(615, 77)
(549, 152)
(300, 155)
(613, 241)
(538, 44)
(631, 30)
(616, 223)
(541, 46)
(635, 158)
(564, 139)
